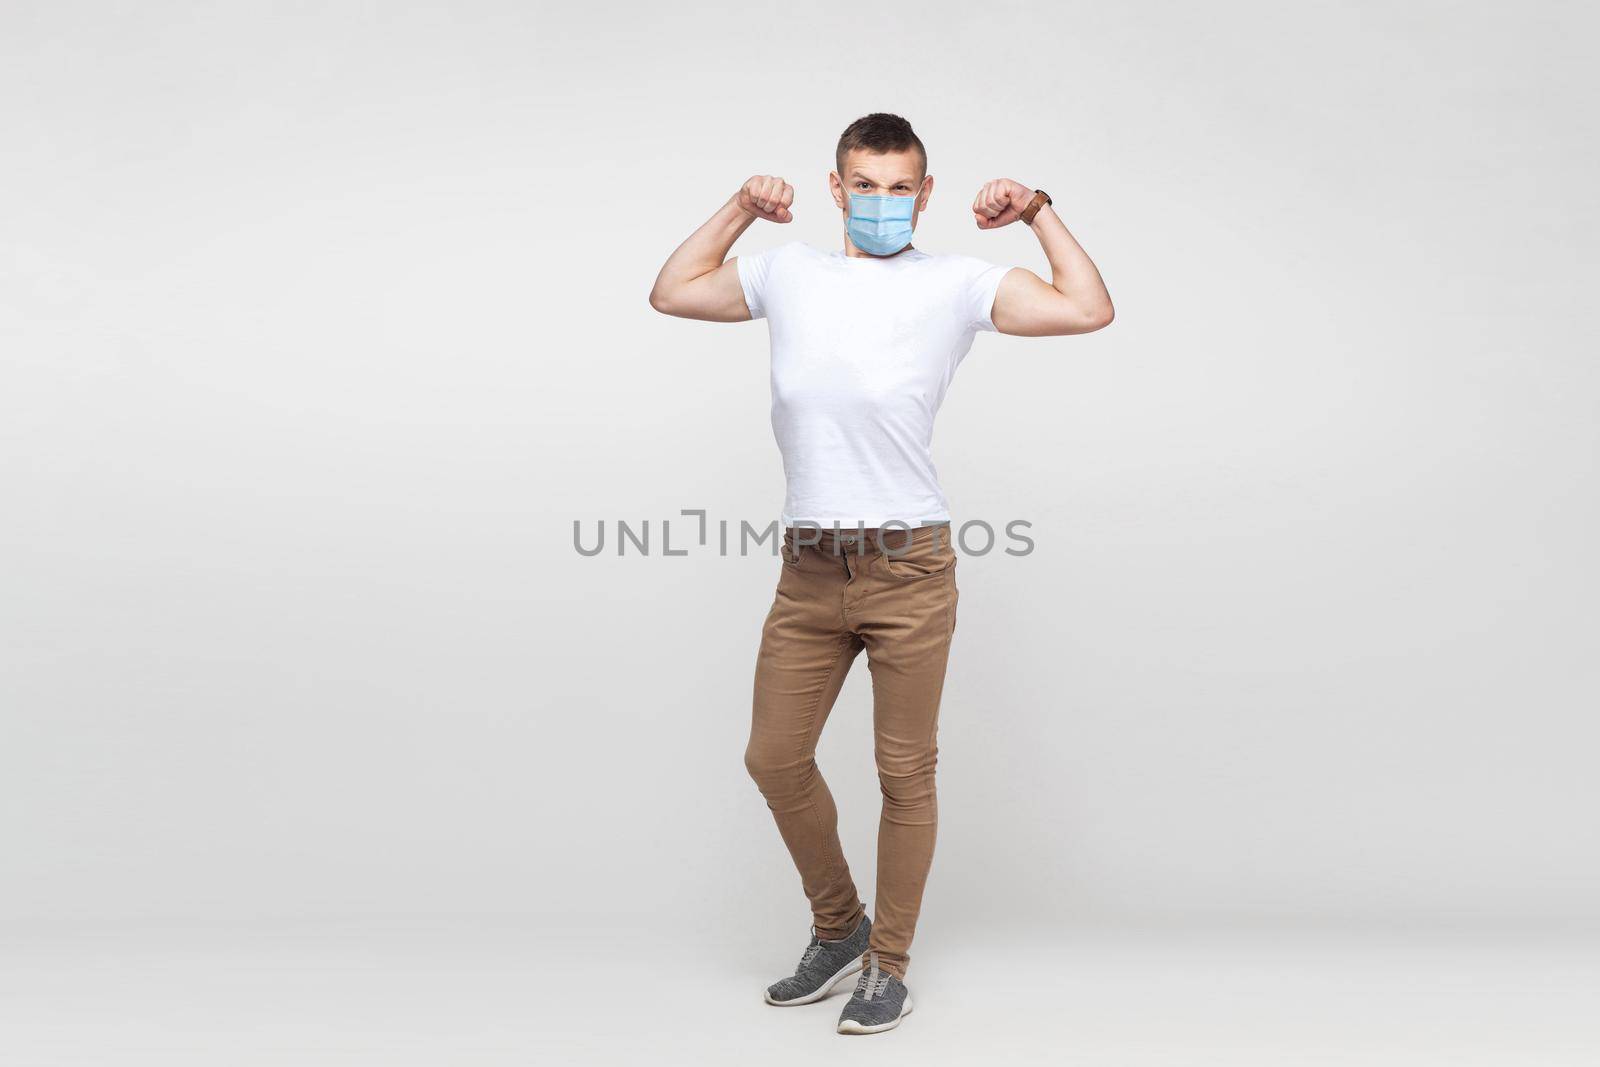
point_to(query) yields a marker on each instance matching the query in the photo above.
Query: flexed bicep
(715, 296)
(1026, 305)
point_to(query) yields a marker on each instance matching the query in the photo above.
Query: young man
(864, 343)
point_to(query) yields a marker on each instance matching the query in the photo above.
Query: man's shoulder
(961, 270)
(957, 262)
(789, 250)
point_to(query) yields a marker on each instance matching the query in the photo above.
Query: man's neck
(853, 252)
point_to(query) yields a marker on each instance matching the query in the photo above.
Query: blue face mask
(880, 225)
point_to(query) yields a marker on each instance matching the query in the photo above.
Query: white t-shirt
(862, 353)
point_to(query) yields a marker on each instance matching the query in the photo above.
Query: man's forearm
(1072, 273)
(697, 281)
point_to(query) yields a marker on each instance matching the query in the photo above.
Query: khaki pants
(893, 593)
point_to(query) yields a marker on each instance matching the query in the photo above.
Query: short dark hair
(879, 132)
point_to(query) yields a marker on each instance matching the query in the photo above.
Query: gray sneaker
(821, 966)
(879, 1003)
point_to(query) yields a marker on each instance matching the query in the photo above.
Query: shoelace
(810, 953)
(873, 981)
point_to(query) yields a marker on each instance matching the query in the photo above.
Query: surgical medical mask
(880, 225)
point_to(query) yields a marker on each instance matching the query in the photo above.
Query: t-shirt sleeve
(984, 283)
(753, 273)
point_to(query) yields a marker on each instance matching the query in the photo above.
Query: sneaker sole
(827, 987)
(850, 1026)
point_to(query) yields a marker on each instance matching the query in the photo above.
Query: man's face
(881, 174)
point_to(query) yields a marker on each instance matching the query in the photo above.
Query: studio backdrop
(323, 332)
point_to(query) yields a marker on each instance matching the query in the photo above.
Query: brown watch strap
(1040, 199)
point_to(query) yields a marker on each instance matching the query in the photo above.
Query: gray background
(321, 324)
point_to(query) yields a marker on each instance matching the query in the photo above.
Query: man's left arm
(1074, 300)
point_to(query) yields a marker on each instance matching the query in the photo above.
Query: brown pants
(893, 593)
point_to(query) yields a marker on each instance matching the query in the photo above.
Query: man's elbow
(662, 301)
(1075, 322)
(1099, 318)
(1088, 319)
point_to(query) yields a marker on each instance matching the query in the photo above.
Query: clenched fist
(1000, 203)
(766, 197)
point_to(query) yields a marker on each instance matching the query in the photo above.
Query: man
(864, 343)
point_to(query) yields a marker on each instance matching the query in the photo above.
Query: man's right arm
(699, 281)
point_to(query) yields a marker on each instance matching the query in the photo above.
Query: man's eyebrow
(897, 181)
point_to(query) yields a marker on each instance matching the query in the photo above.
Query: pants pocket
(919, 561)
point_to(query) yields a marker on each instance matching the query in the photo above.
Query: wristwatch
(1040, 199)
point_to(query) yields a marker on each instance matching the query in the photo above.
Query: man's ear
(927, 191)
(836, 187)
